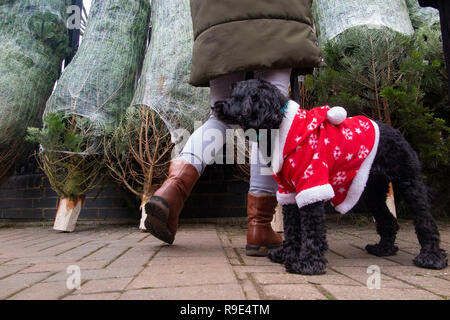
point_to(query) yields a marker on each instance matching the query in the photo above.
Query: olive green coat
(248, 35)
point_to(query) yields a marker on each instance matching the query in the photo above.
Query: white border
(285, 126)
(360, 180)
(286, 198)
(315, 194)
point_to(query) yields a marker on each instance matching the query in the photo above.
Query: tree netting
(33, 43)
(164, 85)
(164, 106)
(396, 78)
(333, 17)
(421, 16)
(92, 95)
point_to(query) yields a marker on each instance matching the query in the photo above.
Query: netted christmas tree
(332, 17)
(33, 43)
(164, 107)
(92, 95)
(421, 17)
(398, 79)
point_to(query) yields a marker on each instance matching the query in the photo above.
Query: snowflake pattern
(301, 114)
(364, 124)
(313, 124)
(291, 161)
(313, 141)
(337, 153)
(363, 152)
(322, 149)
(339, 178)
(308, 172)
(348, 134)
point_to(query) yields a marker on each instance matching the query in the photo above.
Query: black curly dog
(257, 104)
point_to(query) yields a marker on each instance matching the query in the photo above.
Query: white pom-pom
(336, 115)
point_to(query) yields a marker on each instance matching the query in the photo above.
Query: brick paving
(207, 261)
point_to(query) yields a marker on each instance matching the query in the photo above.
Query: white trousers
(203, 145)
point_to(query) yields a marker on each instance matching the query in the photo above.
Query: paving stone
(19, 282)
(204, 292)
(293, 292)
(7, 270)
(134, 257)
(193, 250)
(164, 260)
(360, 274)
(363, 262)
(205, 262)
(82, 251)
(423, 280)
(43, 291)
(277, 278)
(183, 275)
(97, 274)
(58, 267)
(105, 253)
(105, 285)
(242, 271)
(363, 293)
(348, 251)
(95, 296)
(250, 291)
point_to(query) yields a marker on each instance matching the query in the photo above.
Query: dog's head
(254, 104)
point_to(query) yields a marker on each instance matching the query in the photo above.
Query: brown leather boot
(260, 235)
(164, 207)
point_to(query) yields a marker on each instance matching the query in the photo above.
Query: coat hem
(359, 182)
(312, 195)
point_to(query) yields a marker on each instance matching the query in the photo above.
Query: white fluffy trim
(360, 180)
(285, 198)
(280, 141)
(336, 115)
(315, 194)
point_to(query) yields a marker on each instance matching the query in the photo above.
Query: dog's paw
(307, 267)
(431, 259)
(382, 250)
(277, 255)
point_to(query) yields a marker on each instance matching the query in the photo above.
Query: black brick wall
(29, 197)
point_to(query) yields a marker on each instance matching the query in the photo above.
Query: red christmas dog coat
(325, 156)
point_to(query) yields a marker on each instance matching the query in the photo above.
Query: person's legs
(164, 207)
(201, 148)
(261, 201)
(261, 179)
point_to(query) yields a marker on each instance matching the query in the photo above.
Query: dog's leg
(311, 258)
(396, 161)
(375, 197)
(414, 193)
(292, 233)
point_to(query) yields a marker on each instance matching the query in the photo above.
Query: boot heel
(156, 223)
